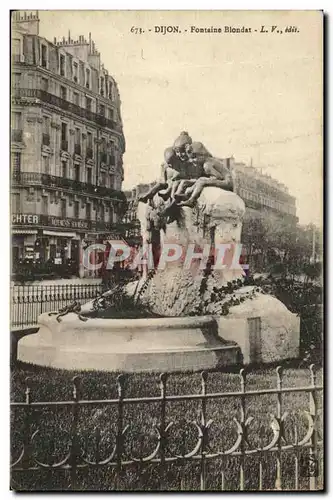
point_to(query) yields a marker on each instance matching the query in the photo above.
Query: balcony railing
(17, 135)
(46, 140)
(66, 105)
(77, 149)
(89, 153)
(53, 181)
(64, 145)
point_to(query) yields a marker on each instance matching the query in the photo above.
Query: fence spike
(279, 373)
(242, 375)
(313, 374)
(121, 384)
(76, 387)
(28, 384)
(163, 380)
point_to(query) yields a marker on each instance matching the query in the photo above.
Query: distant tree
(275, 243)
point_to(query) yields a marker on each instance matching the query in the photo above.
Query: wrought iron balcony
(46, 139)
(64, 145)
(17, 135)
(53, 181)
(77, 149)
(65, 105)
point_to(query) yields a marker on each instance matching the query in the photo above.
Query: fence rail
(29, 301)
(269, 447)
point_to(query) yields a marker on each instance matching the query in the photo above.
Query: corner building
(67, 145)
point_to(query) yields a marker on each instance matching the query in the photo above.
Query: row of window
(105, 147)
(79, 174)
(65, 208)
(260, 198)
(81, 74)
(70, 95)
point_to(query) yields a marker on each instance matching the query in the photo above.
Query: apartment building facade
(67, 145)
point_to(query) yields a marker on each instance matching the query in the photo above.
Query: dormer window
(44, 56)
(75, 72)
(87, 78)
(102, 86)
(62, 65)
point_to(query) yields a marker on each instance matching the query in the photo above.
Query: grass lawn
(52, 442)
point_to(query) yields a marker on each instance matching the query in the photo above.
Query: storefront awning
(59, 233)
(24, 231)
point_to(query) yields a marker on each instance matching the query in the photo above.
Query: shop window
(53, 251)
(15, 255)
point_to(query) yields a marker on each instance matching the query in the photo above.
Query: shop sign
(68, 223)
(25, 219)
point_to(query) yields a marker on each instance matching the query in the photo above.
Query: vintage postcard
(167, 251)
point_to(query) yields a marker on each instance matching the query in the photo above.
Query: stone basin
(131, 345)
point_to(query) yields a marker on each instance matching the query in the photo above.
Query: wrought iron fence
(265, 449)
(29, 301)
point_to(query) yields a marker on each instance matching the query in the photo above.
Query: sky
(251, 95)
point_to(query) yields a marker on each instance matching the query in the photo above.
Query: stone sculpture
(195, 316)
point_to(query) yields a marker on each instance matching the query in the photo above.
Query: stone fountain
(178, 333)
